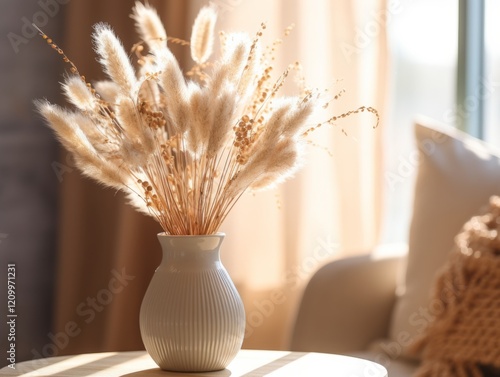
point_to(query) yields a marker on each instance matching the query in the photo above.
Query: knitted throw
(464, 338)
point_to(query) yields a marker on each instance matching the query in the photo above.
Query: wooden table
(248, 363)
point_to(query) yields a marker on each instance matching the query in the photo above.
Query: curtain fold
(274, 240)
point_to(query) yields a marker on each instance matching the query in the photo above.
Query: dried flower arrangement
(184, 149)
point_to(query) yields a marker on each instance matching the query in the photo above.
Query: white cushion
(457, 174)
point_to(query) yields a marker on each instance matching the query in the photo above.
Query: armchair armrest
(346, 305)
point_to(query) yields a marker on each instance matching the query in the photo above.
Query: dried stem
(186, 147)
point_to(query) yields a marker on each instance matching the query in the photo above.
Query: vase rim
(218, 234)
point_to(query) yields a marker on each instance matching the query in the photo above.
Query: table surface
(248, 363)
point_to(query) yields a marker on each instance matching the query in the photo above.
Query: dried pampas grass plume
(185, 147)
(74, 139)
(202, 35)
(114, 59)
(78, 93)
(107, 90)
(149, 26)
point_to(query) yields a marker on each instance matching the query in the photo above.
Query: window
(423, 39)
(491, 80)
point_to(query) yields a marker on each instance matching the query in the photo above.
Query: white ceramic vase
(192, 318)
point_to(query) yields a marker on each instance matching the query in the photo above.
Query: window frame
(470, 67)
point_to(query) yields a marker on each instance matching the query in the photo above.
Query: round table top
(248, 363)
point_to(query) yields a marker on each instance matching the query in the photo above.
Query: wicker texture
(464, 337)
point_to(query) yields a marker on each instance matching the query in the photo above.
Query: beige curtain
(332, 208)
(275, 240)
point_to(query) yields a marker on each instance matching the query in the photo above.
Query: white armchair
(346, 309)
(357, 306)
(347, 305)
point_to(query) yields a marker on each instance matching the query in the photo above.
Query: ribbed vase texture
(192, 318)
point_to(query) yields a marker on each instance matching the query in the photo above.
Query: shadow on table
(157, 372)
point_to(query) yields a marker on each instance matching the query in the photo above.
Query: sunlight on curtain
(331, 209)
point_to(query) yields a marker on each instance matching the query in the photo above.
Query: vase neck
(190, 250)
